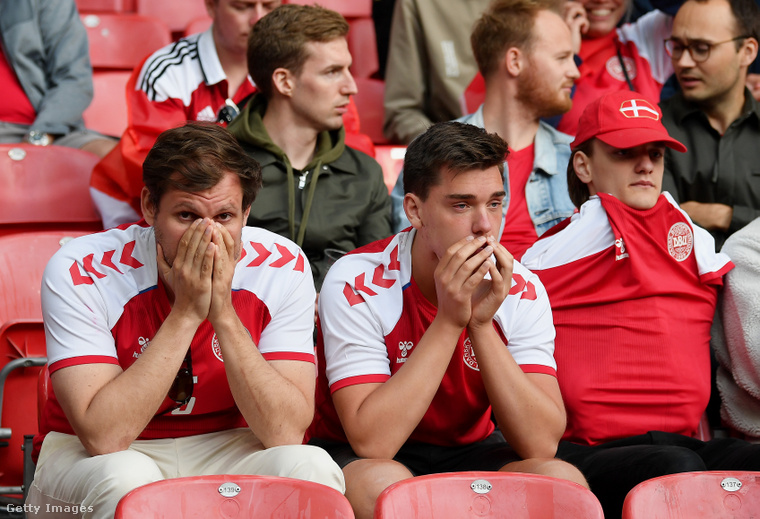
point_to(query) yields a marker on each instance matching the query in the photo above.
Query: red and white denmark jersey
(372, 315)
(103, 302)
(633, 295)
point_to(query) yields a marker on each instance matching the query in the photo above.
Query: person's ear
(412, 208)
(748, 52)
(148, 209)
(582, 167)
(283, 81)
(514, 61)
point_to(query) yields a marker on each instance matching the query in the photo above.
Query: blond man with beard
(524, 51)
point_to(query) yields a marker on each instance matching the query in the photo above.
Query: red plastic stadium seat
(234, 497)
(197, 25)
(363, 47)
(110, 6)
(391, 158)
(177, 14)
(23, 257)
(348, 8)
(369, 103)
(46, 187)
(122, 41)
(482, 495)
(107, 112)
(687, 495)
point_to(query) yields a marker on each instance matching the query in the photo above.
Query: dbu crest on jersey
(615, 70)
(680, 241)
(469, 355)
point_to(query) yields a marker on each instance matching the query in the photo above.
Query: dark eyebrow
(457, 196)
(191, 208)
(690, 41)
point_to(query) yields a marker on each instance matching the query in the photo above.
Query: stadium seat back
(391, 159)
(362, 44)
(234, 497)
(23, 257)
(481, 495)
(122, 41)
(108, 6)
(713, 494)
(176, 14)
(369, 104)
(197, 25)
(348, 8)
(46, 187)
(107, 112)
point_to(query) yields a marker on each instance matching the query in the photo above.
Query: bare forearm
(276, 410)
(121, 409)
(709, 216)
(380, 426)
(531, 421)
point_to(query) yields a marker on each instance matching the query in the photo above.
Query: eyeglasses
(699, 50)
(182, 387)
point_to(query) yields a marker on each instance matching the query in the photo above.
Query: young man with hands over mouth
(180, 345)
(424, 333)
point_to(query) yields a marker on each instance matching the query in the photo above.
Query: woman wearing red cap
(633, 285)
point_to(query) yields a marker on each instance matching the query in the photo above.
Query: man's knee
(671, 459)
(121, 472)
(95, 484)
(548, 467)
(366, 479)
(304, 462)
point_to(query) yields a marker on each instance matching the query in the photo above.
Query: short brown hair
(746, 19)
(195, 157)
(456, 146)
(506, 24)
(578, 191)
(279, 40)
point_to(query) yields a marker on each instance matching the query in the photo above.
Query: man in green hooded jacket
(317, 191)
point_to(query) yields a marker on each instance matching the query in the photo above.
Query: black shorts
(423, 458)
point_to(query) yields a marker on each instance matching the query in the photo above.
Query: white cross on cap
(635, 108)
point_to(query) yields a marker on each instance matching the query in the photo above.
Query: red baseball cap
(623, 119)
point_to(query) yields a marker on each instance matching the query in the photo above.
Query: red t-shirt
(519, 231)
(14, 104)
(633, 295)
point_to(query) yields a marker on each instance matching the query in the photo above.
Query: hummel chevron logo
(282, 258)
(528, 289)
(378, 280)
(86, 278)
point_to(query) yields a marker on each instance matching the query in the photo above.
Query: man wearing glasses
(181, 345)
(717, 182)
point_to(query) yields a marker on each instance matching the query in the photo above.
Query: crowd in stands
(563, 274)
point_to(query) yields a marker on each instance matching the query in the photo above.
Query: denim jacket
(546, 191)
